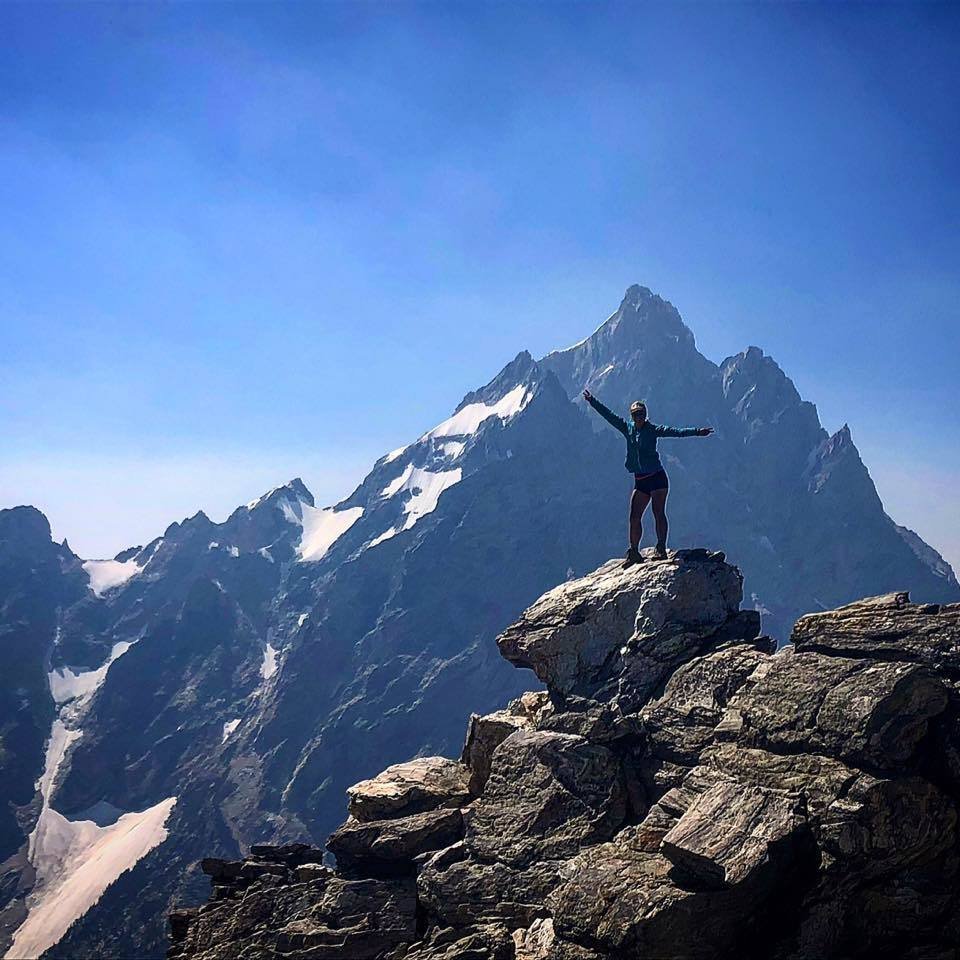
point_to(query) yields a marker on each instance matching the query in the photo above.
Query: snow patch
(76, 860)
(234, 552)
(302, 619)
(468, 419)
(266, 554)
(105, 574)
(451, 448)
(393, 454)
(759, 605)
(66, 685)
(606, 369)
(269, 666)
(425, 488)
(386, 535)
(228, 728)
(212, 545)
(322, 528)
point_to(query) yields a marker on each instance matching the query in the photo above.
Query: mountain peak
(521, 369)
(295, 488)
(635, 295)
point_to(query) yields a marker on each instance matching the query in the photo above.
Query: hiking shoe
(660, 551)
(633, 556)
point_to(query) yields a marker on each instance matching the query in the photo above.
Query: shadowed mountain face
(224, 684)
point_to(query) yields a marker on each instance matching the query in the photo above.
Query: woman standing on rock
(643, 461)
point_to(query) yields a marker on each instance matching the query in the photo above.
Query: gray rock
(329, 917)
(880, 826)
(391, 844)
(621, 899)
(696, 796)
(732, 833)
(547, 795)
(885, 627)
(486, 733)
(874, 712)
(818, 779)
(618, 631)
(540, 942)
(456, 889)
(680, 723)
(466, 943)
(408, 788)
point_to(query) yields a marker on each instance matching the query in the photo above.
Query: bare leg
(638, 503)
(659, 498)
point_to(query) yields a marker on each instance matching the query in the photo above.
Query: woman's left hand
(704, 431)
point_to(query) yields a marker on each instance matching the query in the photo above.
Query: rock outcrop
(681, 790)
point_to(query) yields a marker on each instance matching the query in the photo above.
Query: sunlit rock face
(234, 679)
(735, 800)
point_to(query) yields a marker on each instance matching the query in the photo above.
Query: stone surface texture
(681, 790)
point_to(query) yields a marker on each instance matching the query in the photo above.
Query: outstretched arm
(684, 431)
(618, 422)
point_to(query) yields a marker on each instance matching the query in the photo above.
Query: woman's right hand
(587, 395)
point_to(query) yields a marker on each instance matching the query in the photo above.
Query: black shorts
(651, 482)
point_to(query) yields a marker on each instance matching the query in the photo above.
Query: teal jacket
(642, 456)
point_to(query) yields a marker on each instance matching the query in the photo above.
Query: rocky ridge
(681, 789)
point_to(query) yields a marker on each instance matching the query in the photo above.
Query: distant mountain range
(225, 683)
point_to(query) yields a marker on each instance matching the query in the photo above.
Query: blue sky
(245, 242)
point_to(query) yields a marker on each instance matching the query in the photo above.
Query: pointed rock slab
(732, 834)
(629, 902)
(389, 845)
(408, 788)
(622, 900)
(887, 627)
(617, 632)
(548, 794)
(861, 711)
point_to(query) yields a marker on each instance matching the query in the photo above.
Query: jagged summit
(523, 369)
(679, 790)
(294, 489)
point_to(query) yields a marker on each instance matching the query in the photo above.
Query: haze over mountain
(223, 684)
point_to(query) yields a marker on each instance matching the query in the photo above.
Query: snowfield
(66, 685)
(76, 860)
(105, 574)
(228, 728)
(425, 488)
(269, 666)
(468, 420)
(322, 527)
